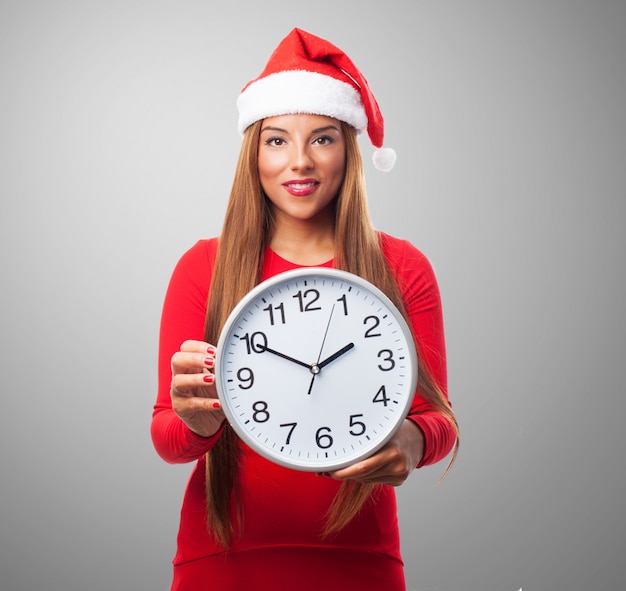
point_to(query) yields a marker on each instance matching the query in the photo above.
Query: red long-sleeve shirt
(284, 509)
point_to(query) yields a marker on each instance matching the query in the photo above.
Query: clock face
(315, 369)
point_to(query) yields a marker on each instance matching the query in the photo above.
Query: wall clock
(315, 369)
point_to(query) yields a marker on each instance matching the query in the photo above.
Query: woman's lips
(301, 188)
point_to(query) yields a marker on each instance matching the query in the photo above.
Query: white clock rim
(254, 293)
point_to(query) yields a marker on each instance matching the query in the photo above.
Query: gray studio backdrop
(117, 149)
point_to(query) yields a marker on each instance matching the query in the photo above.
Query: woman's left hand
(393, 463)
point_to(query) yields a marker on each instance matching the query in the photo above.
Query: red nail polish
(216, 404)
(209, 378)
(209, 361)
(211, 350)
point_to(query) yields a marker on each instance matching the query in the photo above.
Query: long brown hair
(244, 238)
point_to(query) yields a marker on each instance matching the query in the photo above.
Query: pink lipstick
(301, 188)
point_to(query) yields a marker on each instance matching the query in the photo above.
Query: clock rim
(254, 293)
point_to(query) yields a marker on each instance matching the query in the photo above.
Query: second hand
(315, 369)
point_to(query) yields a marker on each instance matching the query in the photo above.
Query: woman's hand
(193, 392)
(393, 463)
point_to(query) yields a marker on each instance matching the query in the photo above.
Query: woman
(298, 199)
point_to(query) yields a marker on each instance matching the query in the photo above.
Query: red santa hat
(307, 74)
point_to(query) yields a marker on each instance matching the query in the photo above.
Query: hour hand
(335, 355)
(287, 357)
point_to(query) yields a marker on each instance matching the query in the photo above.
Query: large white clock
(315, 369)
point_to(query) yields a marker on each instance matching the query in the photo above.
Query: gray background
(117, 149)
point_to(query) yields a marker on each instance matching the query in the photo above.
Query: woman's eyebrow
(320, 129)
(268, 128)
(317, 130)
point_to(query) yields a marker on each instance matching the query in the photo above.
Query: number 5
(355, 423)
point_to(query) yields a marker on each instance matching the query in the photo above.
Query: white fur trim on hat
(299, 91)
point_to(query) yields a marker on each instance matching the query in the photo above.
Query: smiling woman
(301, 168)
(298, 200)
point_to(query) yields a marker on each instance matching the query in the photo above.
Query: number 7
(293, 426)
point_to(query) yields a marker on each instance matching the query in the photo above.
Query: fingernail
(216, 404)
(209, 378)
(211, 350)
(209, 361)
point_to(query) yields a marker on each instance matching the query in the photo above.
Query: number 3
(389, 358)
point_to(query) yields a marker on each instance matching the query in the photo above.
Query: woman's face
(301, 165)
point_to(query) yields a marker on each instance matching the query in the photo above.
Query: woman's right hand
(193, 391)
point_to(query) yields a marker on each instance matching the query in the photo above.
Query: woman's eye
(323, 140)
(275, 141)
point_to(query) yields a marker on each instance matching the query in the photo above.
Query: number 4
(381, 396)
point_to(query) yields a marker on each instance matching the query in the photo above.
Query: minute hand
(335, 355)
(302, 363)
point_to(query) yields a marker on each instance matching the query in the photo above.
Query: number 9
(246, 376)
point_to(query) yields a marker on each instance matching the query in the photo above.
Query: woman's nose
(301, 158)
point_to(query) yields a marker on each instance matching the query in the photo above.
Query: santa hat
(307, 74)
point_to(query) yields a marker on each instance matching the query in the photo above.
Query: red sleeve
(422, 299)
(182, 319)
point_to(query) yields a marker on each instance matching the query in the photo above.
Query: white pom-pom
(384, 159)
